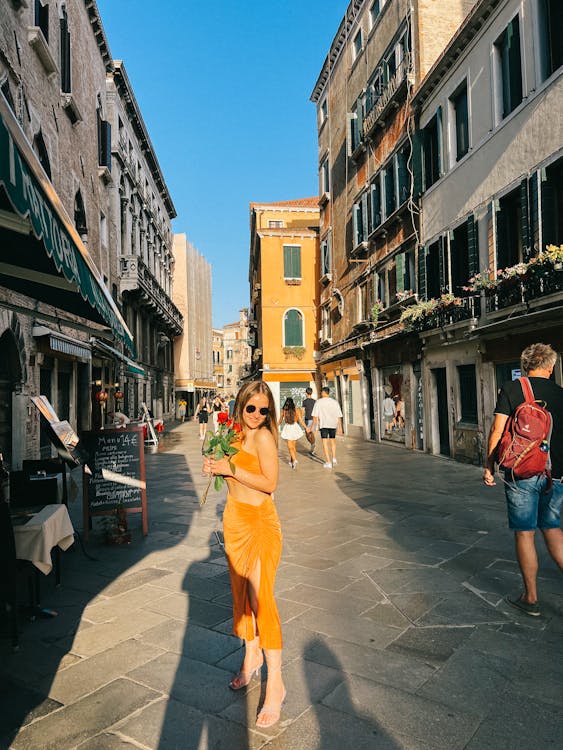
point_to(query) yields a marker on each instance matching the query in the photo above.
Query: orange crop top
(246, 460)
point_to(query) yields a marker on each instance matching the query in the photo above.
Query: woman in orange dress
(253, 542)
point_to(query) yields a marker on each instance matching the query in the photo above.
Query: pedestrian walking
(182, 404)
(533, 499)
(293, 428)
(202, 416)
(216, 408)
(328, 415)
(253, 542)
(308, 404)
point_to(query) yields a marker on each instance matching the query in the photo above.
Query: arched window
(293, 328)
(41, 150)
(80, 215)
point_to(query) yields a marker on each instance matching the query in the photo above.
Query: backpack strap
(527, 390)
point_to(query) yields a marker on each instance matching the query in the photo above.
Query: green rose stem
(220, 446)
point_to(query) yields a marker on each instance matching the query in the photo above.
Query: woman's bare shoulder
(264, 438)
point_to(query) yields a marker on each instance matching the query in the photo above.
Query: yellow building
(284, 284)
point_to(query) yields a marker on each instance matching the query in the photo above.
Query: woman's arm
(267, 452)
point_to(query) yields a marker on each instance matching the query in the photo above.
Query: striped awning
(58, 342)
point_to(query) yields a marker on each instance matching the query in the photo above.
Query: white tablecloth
(45, 530)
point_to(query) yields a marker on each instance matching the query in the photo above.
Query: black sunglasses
(250, 409)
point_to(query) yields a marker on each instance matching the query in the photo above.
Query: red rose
(237, 427)
(222, 417)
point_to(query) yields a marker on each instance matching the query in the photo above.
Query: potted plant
(376, 310)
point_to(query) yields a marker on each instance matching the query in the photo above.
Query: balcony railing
(446, 314)
(378, 110)
(136, 277)
(521, 291)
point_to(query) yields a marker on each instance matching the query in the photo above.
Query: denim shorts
(530, 506)
(328, 432)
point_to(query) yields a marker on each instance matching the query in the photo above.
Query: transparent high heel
(244, 677)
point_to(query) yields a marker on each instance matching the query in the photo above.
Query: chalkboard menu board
(117, 461)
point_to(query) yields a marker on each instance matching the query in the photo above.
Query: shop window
(550, 23)
(293, 328)
(509, 68)
(468, 394)
(460, 129)
(392, 409)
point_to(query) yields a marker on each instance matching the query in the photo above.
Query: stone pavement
(391, 587)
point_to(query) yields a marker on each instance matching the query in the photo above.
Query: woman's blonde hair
(245, 394)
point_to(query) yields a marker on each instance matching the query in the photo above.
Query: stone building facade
(237, 352)
(62, 332)
(369, 223)
(492, 202)
(192, 349)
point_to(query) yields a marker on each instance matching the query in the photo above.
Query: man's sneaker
(334, 462)
(530, 609)
(328, 465)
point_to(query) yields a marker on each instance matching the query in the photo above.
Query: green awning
(130, 365)
(67, 277)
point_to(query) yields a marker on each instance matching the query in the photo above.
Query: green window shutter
(291, 262)
(365, 216)
(400, 272)
(534, 213)
(443, 263)
(439, 140)
(502, 236)
(524, 220)
(375, 203)
(293, 329)
(402, 176)
(472, 246)
(421, 257)
(548, 211)
(417, 162)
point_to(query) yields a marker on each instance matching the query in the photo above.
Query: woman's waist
(251, 498)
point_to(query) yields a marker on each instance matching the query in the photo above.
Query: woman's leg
(252, 654)
(291, 449)
(275, 690)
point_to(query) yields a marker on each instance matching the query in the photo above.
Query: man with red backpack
(528, 445)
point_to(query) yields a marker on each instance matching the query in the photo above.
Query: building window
(431, 150)
(551, 181)
(363, 303)
(275, 224)
(550, 22)
(403, 176)
(509, 67)
(325, 323)
(41, 150)
(324, 110)
(375, 203)
(374, 11)
(360, 220)
(509, 225)
(390, 202)
(325, 174)
(41, 17)
(103, 230)
(291, 261)
(404, 275)
(356, 125)
(434, 270)
(460, 131)
(358, 45)
(468, 393)
(80, 215)
(65, 52)
(293, 328)
(326, 261)
(104, 140)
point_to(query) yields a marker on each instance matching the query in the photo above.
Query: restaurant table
(36, 537)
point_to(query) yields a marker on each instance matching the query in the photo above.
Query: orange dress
(252, 533)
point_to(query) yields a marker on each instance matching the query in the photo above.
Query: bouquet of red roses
(221, 446)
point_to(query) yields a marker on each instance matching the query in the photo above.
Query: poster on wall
(392, 405)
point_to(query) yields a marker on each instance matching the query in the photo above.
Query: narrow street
(391, 589)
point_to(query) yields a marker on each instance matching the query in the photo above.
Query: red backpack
(524, 445)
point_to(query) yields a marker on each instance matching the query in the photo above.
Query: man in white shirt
(328, 415)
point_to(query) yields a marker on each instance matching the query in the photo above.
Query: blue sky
(224, 91)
